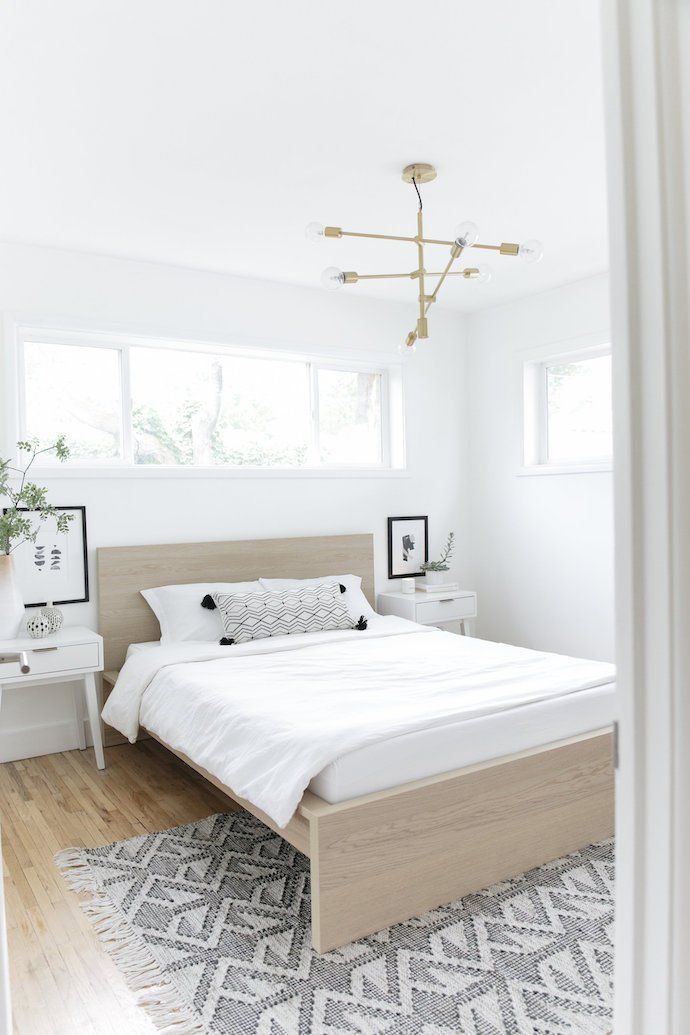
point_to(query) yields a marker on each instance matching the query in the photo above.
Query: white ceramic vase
(436, 578)
(11, 603)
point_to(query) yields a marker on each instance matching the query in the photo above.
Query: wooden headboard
(125, 617)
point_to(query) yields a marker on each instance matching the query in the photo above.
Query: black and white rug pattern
(210, 924)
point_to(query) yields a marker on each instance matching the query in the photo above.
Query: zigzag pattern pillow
(256, 616)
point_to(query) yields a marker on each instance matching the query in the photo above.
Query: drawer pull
(19, 656)
(42, 650)
(447, 600)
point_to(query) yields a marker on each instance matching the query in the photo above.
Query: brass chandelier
(465, 236)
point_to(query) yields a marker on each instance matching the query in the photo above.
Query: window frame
(392, 443)
(534, 438)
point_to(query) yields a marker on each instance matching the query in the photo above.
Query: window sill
(541, 469)
(63, 473)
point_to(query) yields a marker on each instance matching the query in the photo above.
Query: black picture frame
(396, 534)
(81, 510)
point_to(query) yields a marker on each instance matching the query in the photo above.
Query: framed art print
(408, 546)
(55, 566)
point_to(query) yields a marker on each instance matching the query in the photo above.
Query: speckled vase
(11, 603)
(54, 615)
(38, 626)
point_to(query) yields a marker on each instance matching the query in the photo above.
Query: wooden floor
(62, 980)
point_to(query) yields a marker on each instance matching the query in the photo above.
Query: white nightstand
(72, 653)
(431, 608)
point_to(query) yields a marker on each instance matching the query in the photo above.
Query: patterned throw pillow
(255, 616)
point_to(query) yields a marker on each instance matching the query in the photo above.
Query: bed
(405, 815)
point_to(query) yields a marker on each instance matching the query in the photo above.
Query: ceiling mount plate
(422, 172)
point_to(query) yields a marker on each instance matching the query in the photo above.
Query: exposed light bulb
(483, 275)
(405, 348)
(531, 251)
(314, 231)
(466, 234)
(332, 278)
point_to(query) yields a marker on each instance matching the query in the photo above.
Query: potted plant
(435, 570)
(16, 528)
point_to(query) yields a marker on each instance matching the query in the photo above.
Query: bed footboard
(386, 857)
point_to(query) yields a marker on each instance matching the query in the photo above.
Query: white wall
(77, 290)
(542, 546)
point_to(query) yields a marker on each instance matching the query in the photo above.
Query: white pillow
(180, 614)
(353, 598)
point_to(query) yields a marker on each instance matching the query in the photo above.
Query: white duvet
(265, 717)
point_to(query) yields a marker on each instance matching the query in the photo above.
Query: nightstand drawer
(448, 610)
(48, 660)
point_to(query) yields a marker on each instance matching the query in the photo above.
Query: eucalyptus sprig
(15, 527)
(446, 553)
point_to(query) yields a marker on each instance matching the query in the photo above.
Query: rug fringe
(154, 992)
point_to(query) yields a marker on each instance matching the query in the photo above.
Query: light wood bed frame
(385, 857)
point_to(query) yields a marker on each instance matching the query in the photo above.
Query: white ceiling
(207, 133)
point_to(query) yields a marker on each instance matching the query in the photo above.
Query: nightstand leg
(463, 627)
(94, 718)
(79, 719)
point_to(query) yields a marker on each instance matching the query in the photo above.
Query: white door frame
(649, 187)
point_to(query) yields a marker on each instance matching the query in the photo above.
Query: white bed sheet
(424, 753)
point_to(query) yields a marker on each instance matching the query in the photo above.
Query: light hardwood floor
(62, 980)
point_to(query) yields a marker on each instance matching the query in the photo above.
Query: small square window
(568, 417)
(578, 402)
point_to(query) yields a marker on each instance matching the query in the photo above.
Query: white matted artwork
(55, 566)
(408, 546)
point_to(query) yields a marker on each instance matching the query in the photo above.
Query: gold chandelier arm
(376, 237)
(466, 273)
(455, 254)
(505, 248)
(422, 329)
(387, 276)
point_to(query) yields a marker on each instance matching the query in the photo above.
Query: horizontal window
(169, 405)
(567, 410)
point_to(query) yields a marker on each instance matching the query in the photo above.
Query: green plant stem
(17, 545)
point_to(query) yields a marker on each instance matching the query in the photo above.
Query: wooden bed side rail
(297, 830)
(384, 858)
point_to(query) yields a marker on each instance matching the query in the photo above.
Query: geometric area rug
(210, 925)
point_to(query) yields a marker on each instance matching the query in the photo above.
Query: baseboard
(29, 741)
(48, 739)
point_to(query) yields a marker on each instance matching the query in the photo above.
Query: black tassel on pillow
(209, 603)
(225, 642)
(361, 624)
(342, 588)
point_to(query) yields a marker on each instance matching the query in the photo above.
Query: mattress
(424, 753)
